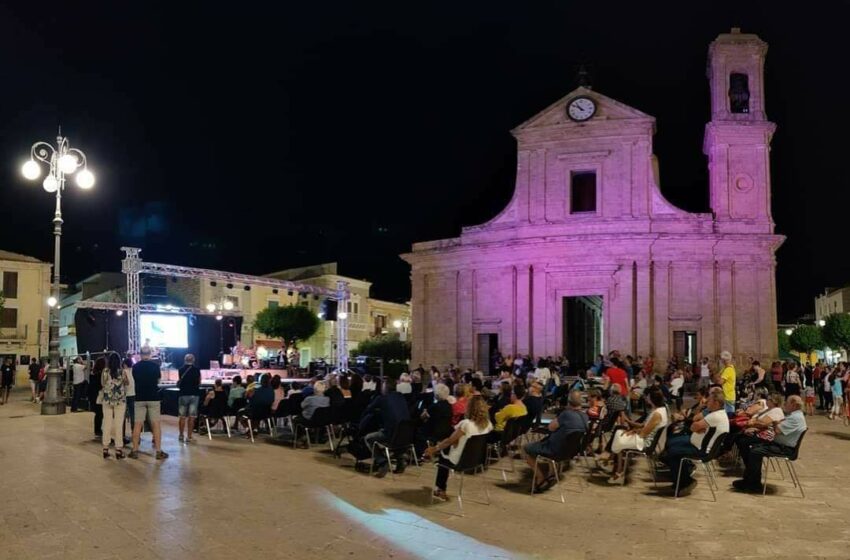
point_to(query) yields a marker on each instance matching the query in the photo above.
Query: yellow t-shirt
(727, 376)
(513, 410)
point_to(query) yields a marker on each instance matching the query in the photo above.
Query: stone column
(522, 310)
(725, 307)
(643, 308)
(661, 310)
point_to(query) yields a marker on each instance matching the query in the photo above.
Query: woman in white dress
(639, 436)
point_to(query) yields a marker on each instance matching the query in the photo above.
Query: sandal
(106, 453)
(119, 454)
(160, 455)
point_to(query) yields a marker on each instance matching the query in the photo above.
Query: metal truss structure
(132, 266)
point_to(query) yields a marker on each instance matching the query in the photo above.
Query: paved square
(230, 499)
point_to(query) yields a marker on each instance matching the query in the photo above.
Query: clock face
(581, 108)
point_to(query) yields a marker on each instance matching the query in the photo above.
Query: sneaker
(180, 438)
(382, 471)
(161, 455)
(134, 454)
(440, 495)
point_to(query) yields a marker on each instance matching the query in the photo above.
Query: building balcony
(13, 334)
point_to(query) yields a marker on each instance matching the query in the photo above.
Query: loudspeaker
(329, 309)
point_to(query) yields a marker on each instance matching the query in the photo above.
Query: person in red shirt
(617, 375)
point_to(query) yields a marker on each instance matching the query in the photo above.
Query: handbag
(741, 421)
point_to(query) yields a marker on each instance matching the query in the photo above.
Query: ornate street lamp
(61, 160)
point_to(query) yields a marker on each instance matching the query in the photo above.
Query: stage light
(231, 324)
(210, 307)
(320, 315)
(67, 163)
(397, 324)
(219, 317)
(169, 307)
(31, 170)
(119, 312)
(789, 331)
(51, 301)
(262, 352)
(50, 184)
(821, 323)
(342, 315)
(228, 305)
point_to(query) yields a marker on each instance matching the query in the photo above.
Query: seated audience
(476, 422)
(691, 444)
(333, 392)
(279, 392)
(787, 434)
(216, 392)
(315, 401)
(237, 391)
(345, 387)
(259, 402)
(390, 409)
(459, 406)
(572, 419)
(516, 409)
(404, 385)
(437, 420)
(639, 436)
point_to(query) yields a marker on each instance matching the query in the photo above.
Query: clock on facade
(581, 108)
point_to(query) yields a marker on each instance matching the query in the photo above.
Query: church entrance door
(582, 330)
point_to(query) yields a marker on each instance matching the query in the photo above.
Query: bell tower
(737, 139)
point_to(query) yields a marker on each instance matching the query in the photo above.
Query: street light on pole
(61, 160)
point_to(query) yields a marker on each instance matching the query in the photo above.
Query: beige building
(367, 316)
(24, 318)
(831, 301)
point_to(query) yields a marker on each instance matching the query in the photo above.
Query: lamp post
(61, 160)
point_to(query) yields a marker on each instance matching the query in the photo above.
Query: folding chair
(571, 448)
(778, 460)
(472, 460)
(706, 459)
(321, 419)
(401, 441)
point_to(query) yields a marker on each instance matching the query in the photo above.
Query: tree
(387, 347)
(784, 345)
(292, 323)
(806, 339)
(836, 331)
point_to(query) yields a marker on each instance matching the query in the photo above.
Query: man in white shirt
(78, 378)
(694, 444)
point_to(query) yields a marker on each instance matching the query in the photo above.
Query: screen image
(164, 331)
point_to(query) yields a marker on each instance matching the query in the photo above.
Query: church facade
(589, 257)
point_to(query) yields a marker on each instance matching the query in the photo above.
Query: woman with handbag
(113, 399)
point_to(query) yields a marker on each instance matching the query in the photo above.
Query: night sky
(254, 138)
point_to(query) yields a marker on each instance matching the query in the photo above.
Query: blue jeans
(730, 407)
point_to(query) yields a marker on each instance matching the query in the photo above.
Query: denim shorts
(187, 405)
(536, 448)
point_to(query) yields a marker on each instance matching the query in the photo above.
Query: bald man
(788, 432)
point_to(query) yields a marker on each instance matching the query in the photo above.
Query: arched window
(739, 93)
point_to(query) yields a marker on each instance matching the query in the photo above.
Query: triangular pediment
(606, 109)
